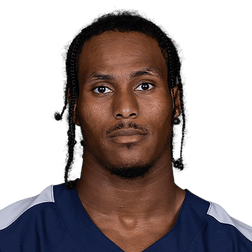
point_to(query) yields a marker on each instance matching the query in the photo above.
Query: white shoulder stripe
(11, 213)
(222, 216)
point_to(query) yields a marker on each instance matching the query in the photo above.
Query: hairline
(77, 62)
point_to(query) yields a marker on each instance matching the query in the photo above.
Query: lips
(126, 132)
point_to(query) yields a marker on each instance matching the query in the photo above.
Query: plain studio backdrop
(214, 41)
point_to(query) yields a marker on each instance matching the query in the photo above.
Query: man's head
(122, 72)
(123, 91)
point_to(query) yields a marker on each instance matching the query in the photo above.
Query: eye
(102, 90)
(145, 86)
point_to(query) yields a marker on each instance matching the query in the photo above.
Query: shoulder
(218, 231)
(15, 211)
(35, 224)
(224, 220)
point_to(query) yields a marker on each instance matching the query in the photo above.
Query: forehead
(120, 52)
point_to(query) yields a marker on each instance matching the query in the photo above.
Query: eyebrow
(100, 76)
(146, 71)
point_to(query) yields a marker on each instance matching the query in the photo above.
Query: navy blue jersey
(55, 221)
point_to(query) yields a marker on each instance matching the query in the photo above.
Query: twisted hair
(121, 22)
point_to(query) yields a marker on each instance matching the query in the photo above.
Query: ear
(176, 97)
(75, 115)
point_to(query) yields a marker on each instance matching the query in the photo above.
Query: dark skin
(123, 79)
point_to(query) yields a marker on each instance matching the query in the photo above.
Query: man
(125, 93)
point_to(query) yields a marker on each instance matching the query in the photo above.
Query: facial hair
(130, 172)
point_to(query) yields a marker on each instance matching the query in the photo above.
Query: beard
(130, 172)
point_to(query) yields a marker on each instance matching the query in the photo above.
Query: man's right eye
(101, 90)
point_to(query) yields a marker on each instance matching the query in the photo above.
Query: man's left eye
(144, 86)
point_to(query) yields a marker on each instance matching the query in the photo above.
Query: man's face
(124, 106)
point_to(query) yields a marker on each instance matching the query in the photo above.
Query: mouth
(127, 136)
(126, 132)
(128, 139)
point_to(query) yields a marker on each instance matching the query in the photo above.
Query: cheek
(91, 119)
(160, 112)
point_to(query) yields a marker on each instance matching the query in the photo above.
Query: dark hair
(124, 21)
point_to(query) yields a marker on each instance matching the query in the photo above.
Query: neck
(153, 195)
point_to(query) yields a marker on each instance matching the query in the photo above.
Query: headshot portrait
(126, 127)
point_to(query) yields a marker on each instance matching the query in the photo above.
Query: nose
(125, 106)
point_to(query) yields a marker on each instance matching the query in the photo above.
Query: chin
(130, 171)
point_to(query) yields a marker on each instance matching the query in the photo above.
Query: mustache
(127, 125)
